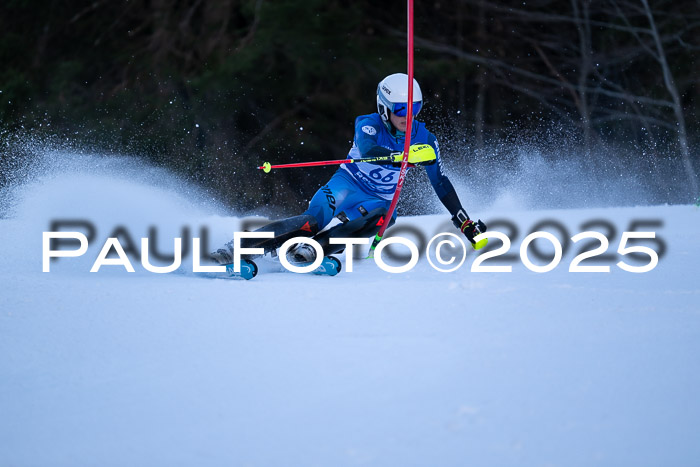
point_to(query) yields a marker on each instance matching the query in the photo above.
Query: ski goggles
(401, 109)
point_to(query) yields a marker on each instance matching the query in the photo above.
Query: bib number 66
(377, 175)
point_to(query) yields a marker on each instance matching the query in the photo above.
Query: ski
(330, 266)
(248, 270)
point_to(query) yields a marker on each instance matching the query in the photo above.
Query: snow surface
(366, 368)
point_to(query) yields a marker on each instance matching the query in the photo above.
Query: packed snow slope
(422, 368)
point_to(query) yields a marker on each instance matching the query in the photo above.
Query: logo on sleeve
(370, 130)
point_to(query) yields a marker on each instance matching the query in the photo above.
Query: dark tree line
(213, 88)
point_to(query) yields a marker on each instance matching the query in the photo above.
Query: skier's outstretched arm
(366, 139)
(448, 196)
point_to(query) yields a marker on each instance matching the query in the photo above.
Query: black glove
(470, 229)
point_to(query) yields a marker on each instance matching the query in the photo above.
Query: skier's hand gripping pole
(472, 229)
(418, 154)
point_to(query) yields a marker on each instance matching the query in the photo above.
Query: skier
(358, 195)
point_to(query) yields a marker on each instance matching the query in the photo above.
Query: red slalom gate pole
(407, 144)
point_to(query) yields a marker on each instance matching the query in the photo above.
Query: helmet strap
(389, 126)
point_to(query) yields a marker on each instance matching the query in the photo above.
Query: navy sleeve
(366, 131)
(441, 184)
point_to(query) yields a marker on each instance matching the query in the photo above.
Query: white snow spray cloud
(89, 181)
(550, 170)
(44, 181)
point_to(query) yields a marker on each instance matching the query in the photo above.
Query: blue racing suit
(369, 186)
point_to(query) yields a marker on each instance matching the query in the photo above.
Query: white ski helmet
(392, 96)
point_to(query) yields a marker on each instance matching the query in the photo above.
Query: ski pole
(267, 167)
